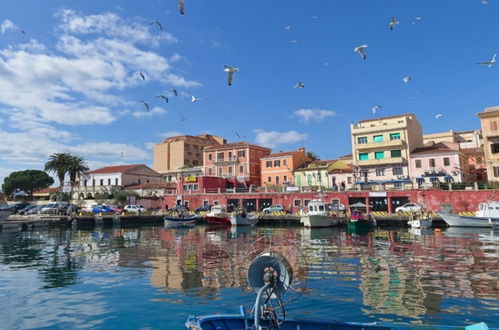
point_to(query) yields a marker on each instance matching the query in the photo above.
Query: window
(195, 163)
(378, 138)
(108, 182)
(395, 153)
(210, 172)
(277, 163)
(363, 156)
(276, 180)
(269, 179)
(101, 182)
(268, 163)
(229, 170)
(85, 183)
(209, 156)
(496, 171)
(230, 154)
(397, 185)
(219, 171)
(241, 169)
(432, 162)
(362, 139)
(297, 202)
(398, 171)
(380, 172)
(446, 161)
(394, 136)
(116, 181)
(138, 181)
(93, 182)
(220, 156)
(285, 178)
(417, 163)
(284, 162)
(349, 179)
(379, 154)
(493, 125)
(494, 147)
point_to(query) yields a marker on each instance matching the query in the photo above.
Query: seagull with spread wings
(406, 79)
(195, 99)
(145, 105)
(142, 76)
(438, 116)
(393, 22)
(173, 91)
(300, 85)
(361, 51)
(230, 73)
(491, 62)
(181, 7)
(158, 24)
(375, 109)
(163, 97)
(239, 136)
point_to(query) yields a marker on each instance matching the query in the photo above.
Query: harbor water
(155, 277)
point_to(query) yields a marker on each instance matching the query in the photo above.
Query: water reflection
(384, 273)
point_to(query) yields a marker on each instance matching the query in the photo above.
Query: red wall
(430, 199)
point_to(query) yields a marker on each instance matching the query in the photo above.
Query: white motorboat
(420, 221)
(4, 214)
(486, 216)
(243, 219)
(318, 216)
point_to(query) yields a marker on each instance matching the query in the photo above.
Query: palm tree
(313, 156)
(76, 168)
(59, 164)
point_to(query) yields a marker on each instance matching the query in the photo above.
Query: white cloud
(7, 25)
(107, 150)
(146, 114)
(317, 115)
(272, 139)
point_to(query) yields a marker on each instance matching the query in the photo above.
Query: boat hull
(316, 221)
(357, 224)
(420, 223)
(179, 222)
(4, 214)
(213, 220)
(455, 220)
(240, 220)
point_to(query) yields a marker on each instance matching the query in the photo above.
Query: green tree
(121, 197)
(76, 168)
(313, 156)
(59, 164)
(27, 181)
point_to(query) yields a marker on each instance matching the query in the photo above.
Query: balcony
(381, 145)
(226, 161)
(384, 161)
(378, 127)
(490, 133)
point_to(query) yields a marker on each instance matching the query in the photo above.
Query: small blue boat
(270, 276)
(180, 221)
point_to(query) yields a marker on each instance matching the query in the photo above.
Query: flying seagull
(230, 73)
(438, 115)
(195, 99)
(315, 17)
(163, 97)
(288, 27)
(142, 76)
(417, 19)
(300, 85)
(294, 41)
(360, 50)
(158, 24)
(173, 91)
(375, 108)
(406, 79)
(181, 8)
(145, 104)
(491, 62)
(22, 31)
(485, 2)
(182, 117)
(239, 136)
(393, 22)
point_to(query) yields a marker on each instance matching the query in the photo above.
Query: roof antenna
(122, 161)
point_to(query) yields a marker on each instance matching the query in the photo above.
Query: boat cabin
(317, 207)
(488, 210)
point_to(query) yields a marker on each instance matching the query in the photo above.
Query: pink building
(440, 162)
(475, 166)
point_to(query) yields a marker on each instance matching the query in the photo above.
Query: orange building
(238, 162)
(489, 120)
(277, 169)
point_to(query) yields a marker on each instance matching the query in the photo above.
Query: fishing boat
(358, 221)
(486, 216)
(217, 216)
(182, 220)
(270, 276)
(243, 219)
(318, 216)
(418, 220)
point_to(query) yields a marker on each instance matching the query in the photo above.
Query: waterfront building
(439, 162)
(381, 149)
(182, 155)
(238, 162)
(314, 174)
(110, 179)
(340, 175)
(475, 165)
(465, 139)
(277, 168)
(489, 120)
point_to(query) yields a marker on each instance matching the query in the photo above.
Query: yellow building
(381, 148)
(176, 155)
(489, 120)
(314, 174)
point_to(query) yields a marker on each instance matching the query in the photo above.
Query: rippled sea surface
(154, 277)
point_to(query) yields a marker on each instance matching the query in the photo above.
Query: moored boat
(4, 214)
(217, 216)
(318, 216)
(243, 219)
(487, 216)
(418, 220)
(180, 221)
(358, 221)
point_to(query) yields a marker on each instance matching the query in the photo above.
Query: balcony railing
(380, 145)
(226, 161)
(383, 161)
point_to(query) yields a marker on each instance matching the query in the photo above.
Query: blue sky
(71, 82)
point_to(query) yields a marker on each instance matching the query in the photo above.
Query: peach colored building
(489, 120)
(238, 162)
(277, 169)
(176, 155)
(475, 165)
(440, 162)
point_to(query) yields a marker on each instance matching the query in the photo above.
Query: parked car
(101, 208)
(26, 209)
(203, 208)
(36, 209)
(54, 208)
(274, 208)
(134, 208)
(408, 207)
(116, 209)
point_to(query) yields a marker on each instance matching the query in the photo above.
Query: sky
(70, 73)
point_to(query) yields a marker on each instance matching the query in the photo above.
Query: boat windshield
(481, 206)
(321, 207)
